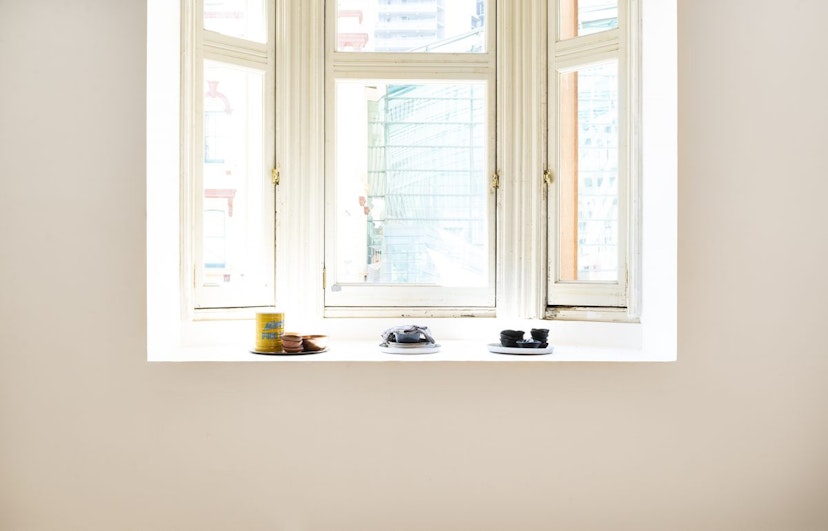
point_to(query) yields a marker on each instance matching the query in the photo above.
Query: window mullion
(521, 154)
(301, 158)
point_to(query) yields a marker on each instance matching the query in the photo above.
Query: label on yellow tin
(269, 329)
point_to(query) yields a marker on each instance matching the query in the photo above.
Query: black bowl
(507, 341)
(529, 343)
(515, 334)
(540, 334)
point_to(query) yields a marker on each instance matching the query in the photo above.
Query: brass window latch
(547, 177)
(495, 181)
(275, 176)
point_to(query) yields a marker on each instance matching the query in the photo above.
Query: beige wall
(732, 436)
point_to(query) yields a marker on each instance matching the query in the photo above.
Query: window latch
(275, 176)
(495, 181)
(547, 177)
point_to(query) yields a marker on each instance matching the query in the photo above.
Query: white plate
(418, 344)
(497, 348)
(413, 349)
(283, 353)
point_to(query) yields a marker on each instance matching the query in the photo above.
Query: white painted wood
(300, 205)
(621, 45)
(200, 45)
(521, 158)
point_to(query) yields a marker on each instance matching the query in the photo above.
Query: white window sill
(368, 351)
(460, 340)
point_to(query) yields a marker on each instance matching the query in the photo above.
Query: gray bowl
(528, 343)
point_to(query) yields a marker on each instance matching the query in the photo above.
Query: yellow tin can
(269, 329)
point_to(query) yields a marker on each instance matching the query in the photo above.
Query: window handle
(495, 181)
(275, 176)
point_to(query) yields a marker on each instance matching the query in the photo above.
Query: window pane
(588, 171)
(232, 170)
(411, 190)
(445, 26)
(244, 19)
(582, 17)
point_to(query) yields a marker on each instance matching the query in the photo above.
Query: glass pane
(411, 186)
(582, 17)
(445, 26)
(588, 171)
(244, 19)
(232, 173)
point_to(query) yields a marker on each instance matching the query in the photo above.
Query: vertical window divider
(521, 94)
(300, 74)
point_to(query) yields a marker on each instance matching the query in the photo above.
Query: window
(410, 130)
(549, 111)
(593, 98)
(229, 154)
(418, 155)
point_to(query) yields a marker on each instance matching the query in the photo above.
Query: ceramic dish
(403, 344)
(497, 348)
(282, 353)
(409, 348)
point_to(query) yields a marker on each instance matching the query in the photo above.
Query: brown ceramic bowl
(292, 342)
(314, 342)
(297, 350)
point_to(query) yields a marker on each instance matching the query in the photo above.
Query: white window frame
(200, 45)
(300, 120)
(566, 55)
(368, 299)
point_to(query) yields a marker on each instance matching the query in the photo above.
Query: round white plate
(414, 348)
(418, 344)
(497, 348)
(283, 353)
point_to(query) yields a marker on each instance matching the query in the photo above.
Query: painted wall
(732, 436)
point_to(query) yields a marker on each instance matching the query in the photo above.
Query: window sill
(350, 351)
(461, 340)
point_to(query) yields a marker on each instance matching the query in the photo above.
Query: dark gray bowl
(507, 341)
(529, 343)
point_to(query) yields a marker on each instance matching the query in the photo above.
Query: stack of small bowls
(514, 338)
(540, 335)
(292, 343)
(510, 338)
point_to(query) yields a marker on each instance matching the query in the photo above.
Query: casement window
(414, 156)
(410, 146)
(592, 152)
(434, 157)
(228, 136)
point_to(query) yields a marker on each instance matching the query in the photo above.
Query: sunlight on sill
(451, 351)
(460, 340)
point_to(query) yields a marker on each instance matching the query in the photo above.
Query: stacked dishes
(513, 342)
(510, 338)
(292, 343)
(540, 335)
(514, 338)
